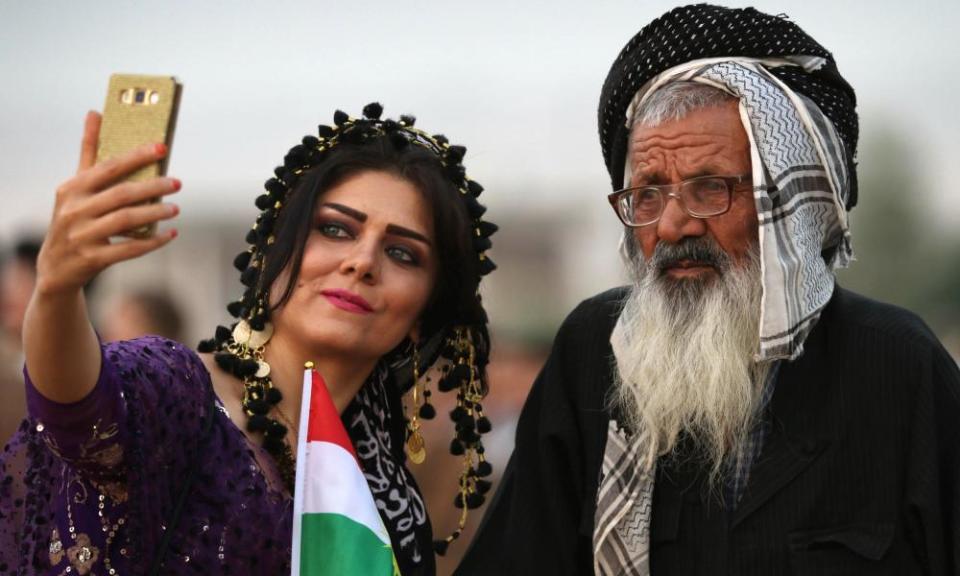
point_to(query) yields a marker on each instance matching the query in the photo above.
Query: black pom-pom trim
(408, 120)
(225, 361)
(483, 425)
(252, 237)
(325, 131)
(474, 188)
(458, 414)
(440, 547)
(467, 435)
(257, 406)
(460, 373)
(246, 368)
(480, 243)
(249, 276)
(483, 486)
(296, 157)
(447, 383)
(264, 201)
(455, 172)
(458, 501)
(487, 266)
(373, 111)
(242, 260)
(235, 309)
(310, 141)
(273, 444)
(258, 323)
(456, 447)
(455, 153)
(257, 423)
(484, 469)
(275, 429)
(340, 117)
(474, 501)
(474, 207)
(487, 229)
(223, 333)
(441, 139)
(274, 396)
(207, 346)
(275, 187)
(428, 412)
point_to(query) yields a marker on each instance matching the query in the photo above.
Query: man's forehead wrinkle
(684, 159)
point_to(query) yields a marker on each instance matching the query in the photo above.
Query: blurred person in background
(17, 278)
(143, 456)
(734, 410)
(141, 313)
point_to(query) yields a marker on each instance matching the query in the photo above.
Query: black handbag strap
(184, 492)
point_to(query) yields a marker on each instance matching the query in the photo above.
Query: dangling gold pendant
(415, 448)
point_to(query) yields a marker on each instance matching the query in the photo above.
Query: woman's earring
(415, 446)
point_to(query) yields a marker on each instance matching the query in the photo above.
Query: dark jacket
(860, 473)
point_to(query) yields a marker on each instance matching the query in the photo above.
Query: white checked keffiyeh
(800, 189)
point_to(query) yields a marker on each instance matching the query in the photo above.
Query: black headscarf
(705, 31)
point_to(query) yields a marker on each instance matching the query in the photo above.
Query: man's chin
(686, 289)
(705, 273)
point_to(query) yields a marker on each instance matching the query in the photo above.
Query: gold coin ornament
(263, 369)
(244, 335)
(415, 448)
(241, 333)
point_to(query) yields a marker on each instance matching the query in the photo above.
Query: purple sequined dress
(88, 488)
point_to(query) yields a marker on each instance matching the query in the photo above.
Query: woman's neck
(344, 376)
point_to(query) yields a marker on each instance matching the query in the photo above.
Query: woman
(143, 456)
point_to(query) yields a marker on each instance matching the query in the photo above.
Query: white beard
(684, 355)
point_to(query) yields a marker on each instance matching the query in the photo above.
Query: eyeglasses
(702, 197)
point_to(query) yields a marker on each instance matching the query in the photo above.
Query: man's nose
(675, 224)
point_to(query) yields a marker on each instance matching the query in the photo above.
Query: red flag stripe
(325, 424)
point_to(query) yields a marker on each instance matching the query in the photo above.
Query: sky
(516, 82)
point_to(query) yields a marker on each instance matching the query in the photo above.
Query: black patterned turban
(705, 31)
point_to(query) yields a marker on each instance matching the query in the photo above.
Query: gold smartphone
(139, 109)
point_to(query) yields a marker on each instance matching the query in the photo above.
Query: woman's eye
(402, 254)
(333, 230)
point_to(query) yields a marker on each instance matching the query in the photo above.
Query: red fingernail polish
(173, 233)
(176, 184)
(160, 148)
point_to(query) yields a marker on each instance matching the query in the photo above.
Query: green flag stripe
(335, 544)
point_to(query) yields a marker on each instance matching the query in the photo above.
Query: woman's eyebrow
(355, 214)
(391, 228)
(407, 233)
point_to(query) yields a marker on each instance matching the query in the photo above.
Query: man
(734, 411)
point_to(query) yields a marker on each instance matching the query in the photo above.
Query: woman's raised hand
(97, 204)
(62, 350)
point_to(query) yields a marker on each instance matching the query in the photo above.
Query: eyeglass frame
(672, 191)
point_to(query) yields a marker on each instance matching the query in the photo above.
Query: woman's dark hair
(454, 299)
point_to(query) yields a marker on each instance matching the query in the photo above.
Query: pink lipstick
(346, 300)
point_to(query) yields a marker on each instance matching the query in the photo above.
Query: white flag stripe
(300, 476)
(337, 486)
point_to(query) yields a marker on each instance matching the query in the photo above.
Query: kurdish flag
(336, 527)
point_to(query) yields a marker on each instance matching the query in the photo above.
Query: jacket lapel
(799, 412)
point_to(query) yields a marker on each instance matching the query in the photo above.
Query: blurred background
(517, 83)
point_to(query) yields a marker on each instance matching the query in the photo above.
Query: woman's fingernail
(176, 184)
(160, 149)
(174, 209)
